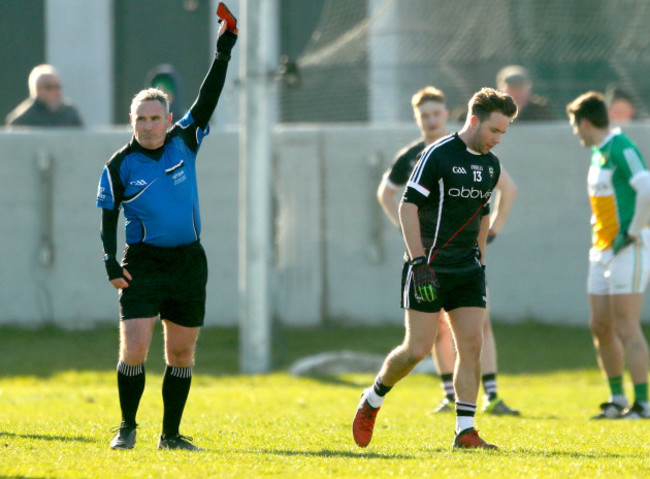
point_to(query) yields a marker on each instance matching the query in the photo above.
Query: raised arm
(213, 83)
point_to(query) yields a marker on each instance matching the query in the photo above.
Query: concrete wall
(335, 255)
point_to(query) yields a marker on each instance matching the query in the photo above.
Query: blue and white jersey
(157, 188)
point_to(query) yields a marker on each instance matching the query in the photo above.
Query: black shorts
(169, 282)
(456, 290)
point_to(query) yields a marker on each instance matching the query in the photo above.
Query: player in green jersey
(619, 260)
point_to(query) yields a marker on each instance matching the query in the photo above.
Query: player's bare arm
(408, 214)
(482, 236)
(506, 193)
(641, 185)
(387, 199)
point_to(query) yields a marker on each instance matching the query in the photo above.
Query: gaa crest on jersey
(491, 171)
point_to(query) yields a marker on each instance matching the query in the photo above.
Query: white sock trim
(180, 372)
(374, 399)
(128, 370)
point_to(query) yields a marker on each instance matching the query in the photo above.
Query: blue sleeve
(192, 133)
(105, 191)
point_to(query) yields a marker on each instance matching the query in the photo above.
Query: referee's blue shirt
(157, 188)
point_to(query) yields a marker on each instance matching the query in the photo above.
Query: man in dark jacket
(46, 106)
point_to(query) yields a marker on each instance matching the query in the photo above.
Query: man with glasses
(46, 106)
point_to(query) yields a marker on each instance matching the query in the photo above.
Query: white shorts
(627, 272)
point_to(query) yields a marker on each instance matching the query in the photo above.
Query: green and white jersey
(614, 165)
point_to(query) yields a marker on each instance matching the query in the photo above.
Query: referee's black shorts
(456, 290)
(169, 282)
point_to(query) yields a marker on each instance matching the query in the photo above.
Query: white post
(383, 52)
(79, 44)
(255, 175)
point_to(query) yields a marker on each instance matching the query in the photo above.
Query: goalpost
(257, 47)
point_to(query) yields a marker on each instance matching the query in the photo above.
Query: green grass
(58, 402)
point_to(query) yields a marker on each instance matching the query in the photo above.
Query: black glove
(491, 236)
(425, 282)
(113, 268)
(225, 42)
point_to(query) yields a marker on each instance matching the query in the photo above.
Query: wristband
(113, 268)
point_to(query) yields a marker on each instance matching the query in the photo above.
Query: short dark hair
(428, 93)
(589, 106)
(488, 100)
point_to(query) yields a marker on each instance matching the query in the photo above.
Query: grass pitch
(58, 402)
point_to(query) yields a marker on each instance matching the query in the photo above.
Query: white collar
(612, 134)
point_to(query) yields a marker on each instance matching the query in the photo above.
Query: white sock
(374, 399)
(464, 422)
(619, 399)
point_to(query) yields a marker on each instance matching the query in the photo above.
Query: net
(366, 58)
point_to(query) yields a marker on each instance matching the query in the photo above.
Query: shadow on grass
(333, 380)
(332, 453)
(46, 437)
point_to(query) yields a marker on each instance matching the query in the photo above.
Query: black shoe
(497, 407)
(444, 406)
(178, 442)
(637, 411)
(610, 410)
(125, 437)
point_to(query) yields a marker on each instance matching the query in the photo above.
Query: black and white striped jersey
(452, 187)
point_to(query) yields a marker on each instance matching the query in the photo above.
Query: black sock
(130, 385)
(175, 389)
(380, 388)
(490, 385)
(447, 381)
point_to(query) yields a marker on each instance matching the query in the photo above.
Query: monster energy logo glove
(425, 283)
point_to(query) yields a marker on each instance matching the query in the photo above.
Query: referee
(164, 268)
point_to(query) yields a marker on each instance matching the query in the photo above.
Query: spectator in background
(621, 107)
(165, 78)
(46, 106)
(516, 81)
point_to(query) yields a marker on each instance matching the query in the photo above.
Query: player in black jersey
(444, 214)
(164, 268)
(430, 113)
